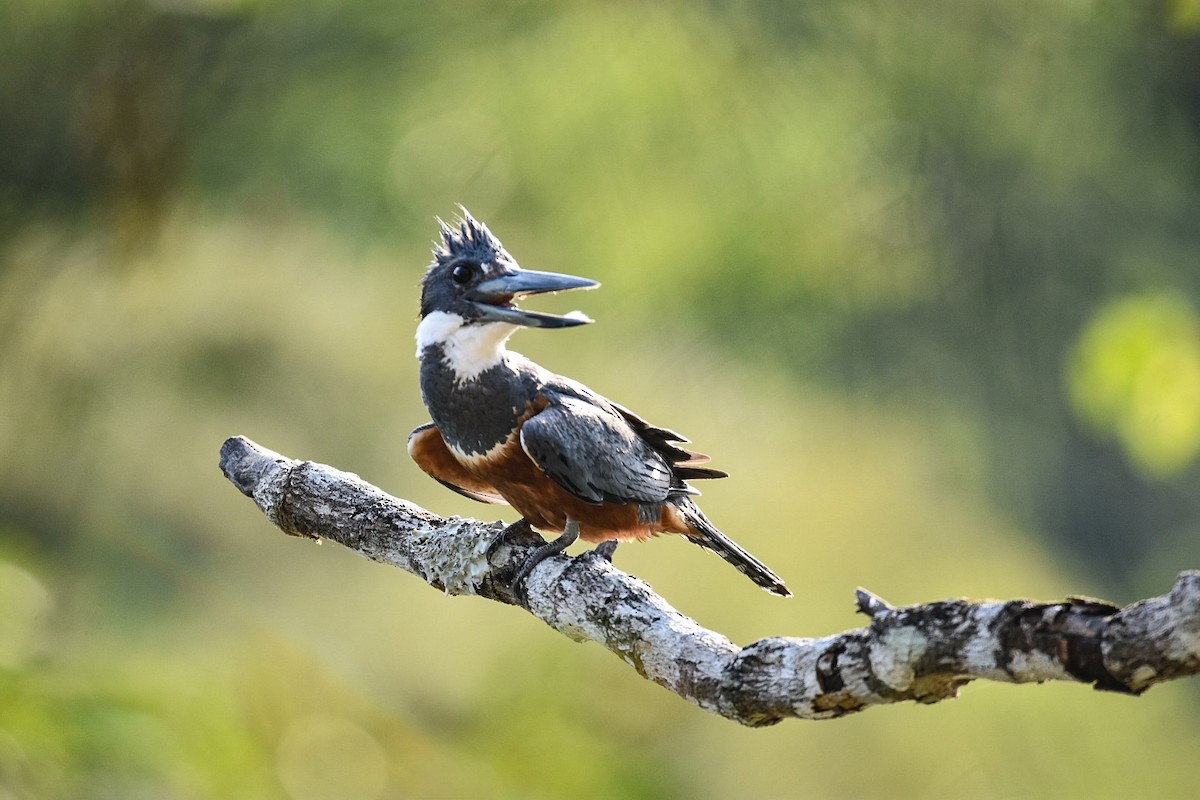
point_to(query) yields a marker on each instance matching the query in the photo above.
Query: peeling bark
(922, 653)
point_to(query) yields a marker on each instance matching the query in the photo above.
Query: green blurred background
(923, 276)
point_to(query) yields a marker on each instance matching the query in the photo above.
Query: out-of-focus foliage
(922, 276)
(1137, 376)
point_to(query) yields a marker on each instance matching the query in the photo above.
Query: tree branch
(922, 653)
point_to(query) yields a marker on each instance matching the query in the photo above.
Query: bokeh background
(924, 276)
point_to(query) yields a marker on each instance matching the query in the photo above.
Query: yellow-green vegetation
(1136, 375)
(921, 276)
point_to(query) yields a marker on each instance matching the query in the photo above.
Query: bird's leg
(569, 535)
(605, 550)
(519, 528)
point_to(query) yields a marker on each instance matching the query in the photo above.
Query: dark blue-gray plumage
(506, 430)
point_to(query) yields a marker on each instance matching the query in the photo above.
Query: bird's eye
(462, 273)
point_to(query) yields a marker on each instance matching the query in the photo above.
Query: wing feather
(595, 454)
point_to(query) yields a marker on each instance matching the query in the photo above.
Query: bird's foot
(605, 550)
(518, 529)
(568, 537)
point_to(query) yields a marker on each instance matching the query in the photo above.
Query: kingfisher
(505, 430)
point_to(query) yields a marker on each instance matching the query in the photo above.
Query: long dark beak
(494, 298)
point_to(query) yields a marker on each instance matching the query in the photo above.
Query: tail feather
(710, 538)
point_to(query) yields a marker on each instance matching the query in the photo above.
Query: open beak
(495, 298)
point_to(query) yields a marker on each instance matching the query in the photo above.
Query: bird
(505, 430)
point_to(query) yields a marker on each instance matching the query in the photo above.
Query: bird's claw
(519, 528)
(605, 550)
(568, 537)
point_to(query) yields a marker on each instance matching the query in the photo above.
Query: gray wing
(595, 454)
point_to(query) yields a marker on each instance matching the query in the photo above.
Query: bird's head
(474, 278)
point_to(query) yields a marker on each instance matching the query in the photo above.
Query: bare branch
(922, 653)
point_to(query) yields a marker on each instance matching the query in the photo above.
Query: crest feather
(472, 241)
